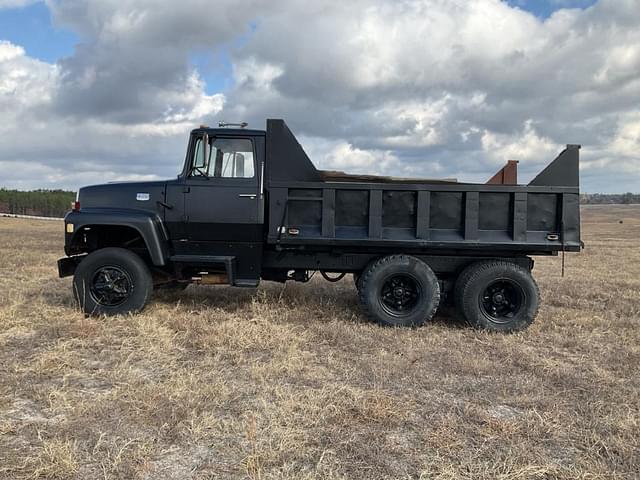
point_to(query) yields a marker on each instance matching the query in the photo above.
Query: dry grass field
(291, 381)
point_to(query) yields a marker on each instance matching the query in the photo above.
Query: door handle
(248, 195)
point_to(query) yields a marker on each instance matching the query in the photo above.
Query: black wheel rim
(110, 286)
(400, 295)
(502, 300)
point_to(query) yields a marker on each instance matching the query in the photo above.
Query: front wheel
(498, 296)
(112, 281)
(399, 291)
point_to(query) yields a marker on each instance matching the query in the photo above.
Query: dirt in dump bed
(337, 176)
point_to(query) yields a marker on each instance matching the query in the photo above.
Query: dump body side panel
(540, 218)
(430, 217)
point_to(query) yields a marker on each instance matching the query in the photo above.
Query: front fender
(148, 224)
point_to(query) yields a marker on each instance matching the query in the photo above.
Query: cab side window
(227, 158)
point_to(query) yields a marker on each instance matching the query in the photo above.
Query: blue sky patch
(544, 8)
(215, 69)
(31, 28)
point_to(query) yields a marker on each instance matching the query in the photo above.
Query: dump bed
(306, 208)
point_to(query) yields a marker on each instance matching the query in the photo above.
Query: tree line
(609, 199)
(55, 203)
(42, 203)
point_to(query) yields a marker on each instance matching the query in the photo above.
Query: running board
(202, 259)
(229, 263)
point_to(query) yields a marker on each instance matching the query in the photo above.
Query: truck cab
(211, 215)
(215, 208)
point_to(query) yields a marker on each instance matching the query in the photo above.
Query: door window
(227, 158)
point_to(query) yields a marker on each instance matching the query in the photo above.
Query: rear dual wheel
(497, 296)
(399, 291)
(356, 280)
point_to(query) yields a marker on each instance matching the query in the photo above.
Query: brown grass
(292, 382)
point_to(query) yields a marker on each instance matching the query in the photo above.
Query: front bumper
(67, 265)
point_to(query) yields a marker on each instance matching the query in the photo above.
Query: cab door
(174, 214)
(223, 202)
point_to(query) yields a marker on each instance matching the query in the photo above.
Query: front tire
(112, 281)
(399, 291)
(497, 296)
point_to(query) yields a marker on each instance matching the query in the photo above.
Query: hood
(128, 195)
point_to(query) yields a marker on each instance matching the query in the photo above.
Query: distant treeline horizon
(41, 203)
(609, 198)
(56, 203)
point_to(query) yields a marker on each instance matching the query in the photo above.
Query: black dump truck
(249, 205)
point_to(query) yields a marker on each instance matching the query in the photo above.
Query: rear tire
(399, 291)
(356, 280)
(112, 281)
(497, 296)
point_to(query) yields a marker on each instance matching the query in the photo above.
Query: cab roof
(228, 131)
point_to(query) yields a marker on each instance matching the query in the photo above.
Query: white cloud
(24, 82)
(16, 3)
(528, 146)
(627, 140)
(41, 148)
(400, 87)
(464, 85)
(340, 155)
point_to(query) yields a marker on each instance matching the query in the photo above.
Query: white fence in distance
(32, 217)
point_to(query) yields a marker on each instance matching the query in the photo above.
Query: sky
(96, 91)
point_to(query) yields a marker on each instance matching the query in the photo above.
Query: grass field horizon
(291, 381)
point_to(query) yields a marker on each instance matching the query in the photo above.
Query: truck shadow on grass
(291, 303)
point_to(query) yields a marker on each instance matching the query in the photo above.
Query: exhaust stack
(508, 175)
